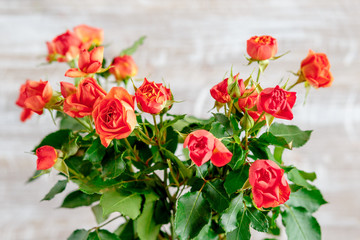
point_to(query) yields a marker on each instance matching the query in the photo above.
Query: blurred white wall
(191, 45)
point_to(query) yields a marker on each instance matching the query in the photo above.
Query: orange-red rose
(114, 115)
(277, 102)
(46, 157)
(152, 97)
(33, 98)
(81, 102)
(123, 68)
(89, 35)
(89, 62)
(64, 47)
(269, 186)
(220, 91)
(262, 47)
(203, 146)
(315, 68)
(248, 101)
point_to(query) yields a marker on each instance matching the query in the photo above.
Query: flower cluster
(121, 148)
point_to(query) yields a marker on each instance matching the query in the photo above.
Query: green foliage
(58, 188)
(78, 199)
(56, 139)
(95, 152)
(79, 234)
(127, 204)
(215, 194)
(291, 133)
(192, 214)
(311, 200)
(300, 225)
(132, 49)
(229, 219)
(102, 235)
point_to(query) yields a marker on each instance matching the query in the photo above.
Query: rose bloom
(89, 62)
(316, 70)
(152, 97)
(89, 35)
(203, 146)
(277, 102)
(33, 98)
(114, 115)
(123, 68)
(79, 102)
(269, 186)
(46, 157)
(220, 91)
(262, 47)
(64, 47)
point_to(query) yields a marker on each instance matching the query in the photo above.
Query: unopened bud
(246, 122)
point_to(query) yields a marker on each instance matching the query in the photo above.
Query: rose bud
(114, 115)
(152, 97)
(46, 157)
(248, 101)
(81, 103)
(89, 35)
(64, 47)
(262, 47)
(89, 62)
(277, 102)
(203, 146)
(315, 68)
(269, 186)
(33, 97)
(220, 91)
(123, 68)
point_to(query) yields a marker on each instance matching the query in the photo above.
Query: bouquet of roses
(169, 176)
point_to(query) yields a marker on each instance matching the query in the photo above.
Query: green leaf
(269, 138)
(291, 133)
(68, 122)
(37, 174)
(311, 200)
(243, 231)
(146, 226)
(207, 233)
(295, 176)
(300, 225)
(98, 213)
(171, 139)
(55, 139)
(78, 199)
(113, 165)
(126, 231)
(238, 157)
(127, 204)
(192, 214)
(185, 172)
(132, 49)
(71, 147)
(236, 179)
(218, 130)
(308, 175)
(215, 194)
(102, 234)
(95, 152)
(162, 212)
(61, 166)
(278, 151)
(258, 220)
(79, 234)
(229, 219)
(58, 188)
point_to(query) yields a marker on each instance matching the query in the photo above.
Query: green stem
(230, 108)
(84, 124)
(258, 75)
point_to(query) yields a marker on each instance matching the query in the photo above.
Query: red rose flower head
(269, 186)
(46, 157)
(315, 68)
(277, 102)
(262, 47)
(152, 97)
(123, 67)
(33, 98)
(203, 146)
